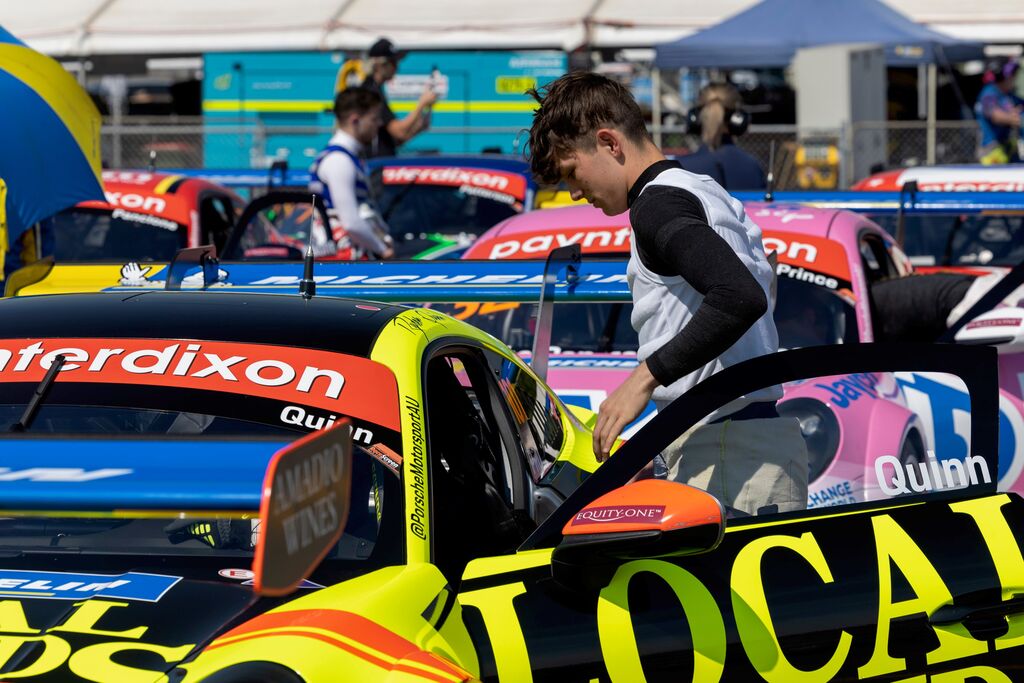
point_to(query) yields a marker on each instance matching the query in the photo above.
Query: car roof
(812, 221)
(966, 178)
(491, 161)
(330, 323)
(153, 182)
(169, 196)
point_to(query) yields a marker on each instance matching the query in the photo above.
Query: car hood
(93, 625)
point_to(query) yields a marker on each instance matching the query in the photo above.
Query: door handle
(953, 614)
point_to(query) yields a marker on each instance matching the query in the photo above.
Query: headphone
(736, 120)
(999, 70)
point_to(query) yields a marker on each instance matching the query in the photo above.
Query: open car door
(907, 563)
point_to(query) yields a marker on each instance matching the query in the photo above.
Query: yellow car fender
(378, 627)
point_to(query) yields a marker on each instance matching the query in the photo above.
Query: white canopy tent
(95, 27)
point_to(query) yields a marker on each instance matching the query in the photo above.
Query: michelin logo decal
(70, 586)
(135, 275)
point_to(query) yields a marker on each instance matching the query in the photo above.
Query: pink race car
(865, 433)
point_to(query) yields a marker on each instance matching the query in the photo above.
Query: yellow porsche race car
(240, 487)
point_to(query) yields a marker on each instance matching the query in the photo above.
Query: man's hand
(622, 407)
(427, 97)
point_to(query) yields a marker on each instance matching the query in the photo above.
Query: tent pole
(930, 135)
(656, 105)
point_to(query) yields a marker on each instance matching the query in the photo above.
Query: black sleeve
(674, 238)
(915, 308)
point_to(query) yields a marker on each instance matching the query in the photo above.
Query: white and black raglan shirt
(700, 282)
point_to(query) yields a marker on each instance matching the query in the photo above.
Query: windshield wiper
(37, 397)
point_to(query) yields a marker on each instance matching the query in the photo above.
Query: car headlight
(820, 429)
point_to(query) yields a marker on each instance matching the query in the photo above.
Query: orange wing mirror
(645, 519)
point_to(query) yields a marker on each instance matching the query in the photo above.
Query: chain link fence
(803, 159)
(956, 142)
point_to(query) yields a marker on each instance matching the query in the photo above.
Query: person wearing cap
(998, 111)
(384, 58)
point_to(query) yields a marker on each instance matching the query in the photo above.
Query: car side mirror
(1000, 327)
(644, 519)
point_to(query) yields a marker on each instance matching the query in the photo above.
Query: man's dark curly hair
(571, 109)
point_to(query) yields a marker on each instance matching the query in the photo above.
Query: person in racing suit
(357, 230)
(700, 282)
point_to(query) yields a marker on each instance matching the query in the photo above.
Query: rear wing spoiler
(919, 202)
(196, 477)
(388, 281)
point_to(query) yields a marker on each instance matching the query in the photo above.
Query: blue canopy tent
(770, 32)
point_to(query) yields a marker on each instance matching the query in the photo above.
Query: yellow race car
(240, 487)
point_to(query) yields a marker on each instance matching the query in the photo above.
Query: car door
(920, 584)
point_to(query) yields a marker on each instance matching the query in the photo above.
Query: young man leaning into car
(700, 281)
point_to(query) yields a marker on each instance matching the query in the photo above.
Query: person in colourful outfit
(998, 111)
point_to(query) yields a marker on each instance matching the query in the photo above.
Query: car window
(284, 227)
(161, 386)
(216, 219)
(472, 476)
(85, 235)
(878, 264)
(413, 204)
(840, 439)
(960, 239)
(190, 388)
(807, 314)
(996, 240)
(536, 413)
(584, 327)
(897, 424)
(372, 530)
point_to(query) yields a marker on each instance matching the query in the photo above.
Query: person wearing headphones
(998, 111)
(718, 118)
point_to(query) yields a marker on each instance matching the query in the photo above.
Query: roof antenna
(307, 286)
(152, 161)
(769, 190)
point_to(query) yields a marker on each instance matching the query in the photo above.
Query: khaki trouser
(746, 464)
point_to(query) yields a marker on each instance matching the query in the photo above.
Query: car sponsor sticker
(66, 475)
(386, 456)
(501, 183)
(537, 243)
(617, 514)
(995, 322)
(812, 259)
(72, 586)
(339, 383)
(248, 576)
(239, 574)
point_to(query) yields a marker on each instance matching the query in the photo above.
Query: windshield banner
(342, 384)
(500, 182)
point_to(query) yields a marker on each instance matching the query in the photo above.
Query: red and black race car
(146, 217)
